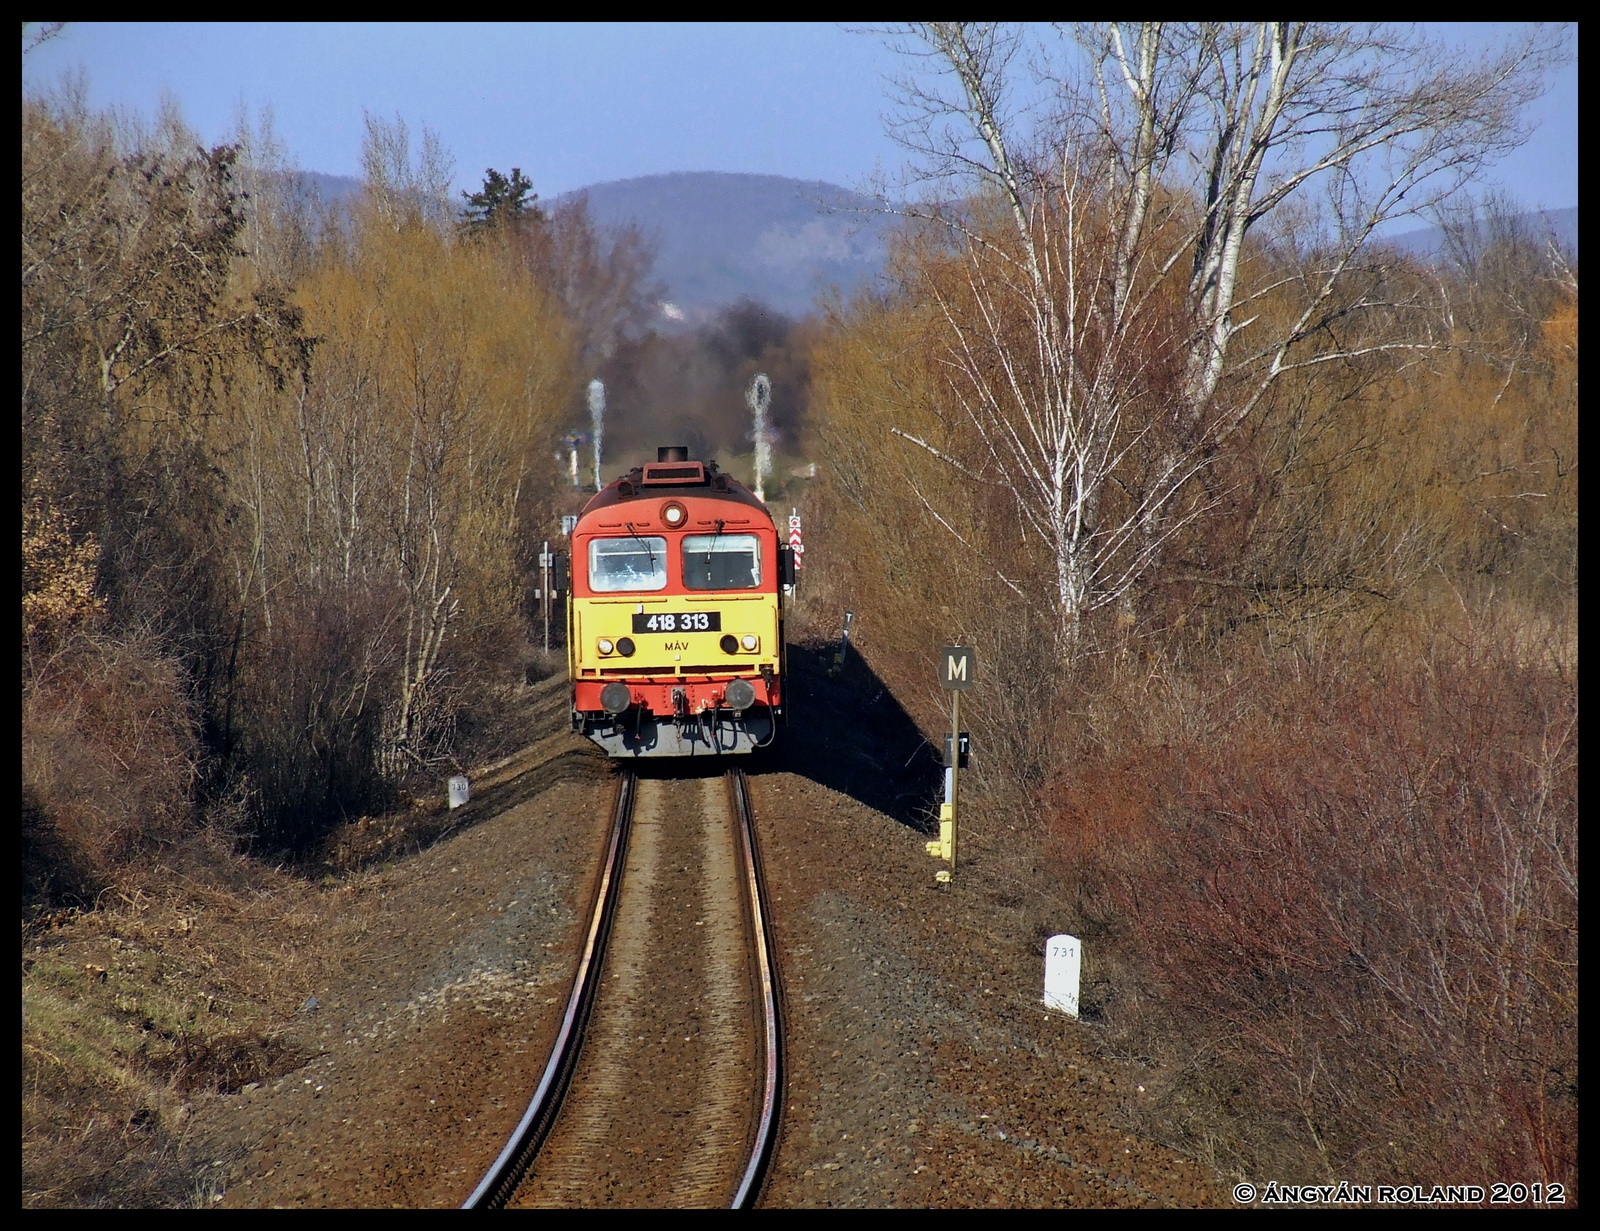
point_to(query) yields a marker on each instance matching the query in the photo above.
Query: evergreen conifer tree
(501, 201)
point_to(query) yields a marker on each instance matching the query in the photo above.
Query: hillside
(724, 237)
(765, 237)
(1561, 225)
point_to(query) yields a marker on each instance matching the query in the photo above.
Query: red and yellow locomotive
(675, 614)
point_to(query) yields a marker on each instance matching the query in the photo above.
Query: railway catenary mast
(675, 614)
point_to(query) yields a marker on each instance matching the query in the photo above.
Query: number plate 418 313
(677, 622)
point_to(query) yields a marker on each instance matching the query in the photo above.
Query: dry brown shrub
(309, 737)
(57, 574)
(1352, 904)
(108, 762)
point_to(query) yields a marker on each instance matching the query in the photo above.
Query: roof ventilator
(672, 468)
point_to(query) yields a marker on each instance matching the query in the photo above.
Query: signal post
(957, 670)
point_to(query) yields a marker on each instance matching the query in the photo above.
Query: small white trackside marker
(1063, 963)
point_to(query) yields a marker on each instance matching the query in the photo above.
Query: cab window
(634, 563)
(721, 561)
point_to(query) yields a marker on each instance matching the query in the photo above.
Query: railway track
(663, 1085)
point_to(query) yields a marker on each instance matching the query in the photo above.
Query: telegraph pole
(544, 591)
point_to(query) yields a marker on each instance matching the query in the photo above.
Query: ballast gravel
(434, 1027)
(921, 1068)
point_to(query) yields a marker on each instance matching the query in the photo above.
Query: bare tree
(387, 479)
(1203, 193)
(278, 202)
(35, 33)
(401, 189)
(136, 321)
(602, 276)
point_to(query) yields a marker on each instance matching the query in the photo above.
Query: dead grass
(1340, 899)
(157, 965)
(173, 990)
(170, 977)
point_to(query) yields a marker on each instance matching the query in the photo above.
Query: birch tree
(1198, 195)
(396, 468)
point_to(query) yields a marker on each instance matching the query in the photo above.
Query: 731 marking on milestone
(957, 667)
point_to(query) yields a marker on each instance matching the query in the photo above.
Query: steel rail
(766, 1135)
(502, 1178)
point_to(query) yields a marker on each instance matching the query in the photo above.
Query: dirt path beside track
(429, 1037)
(921, 1071)
(924, 1071)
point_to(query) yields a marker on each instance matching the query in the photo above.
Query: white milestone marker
(1063, 962)
(459, 792)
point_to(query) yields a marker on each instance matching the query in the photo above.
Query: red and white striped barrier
(795, 545)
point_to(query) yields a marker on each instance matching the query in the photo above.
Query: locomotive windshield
(633, 563)
(721, 561)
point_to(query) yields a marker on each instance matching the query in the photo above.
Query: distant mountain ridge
(1427, 243)
(724, 237)
(332, 189)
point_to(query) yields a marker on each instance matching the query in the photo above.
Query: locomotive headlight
(605, 645)
(615, 697)
(625, 646)
(729, 643)
(749, 641)
(674, 514)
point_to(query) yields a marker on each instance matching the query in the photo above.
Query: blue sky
(581, 104)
